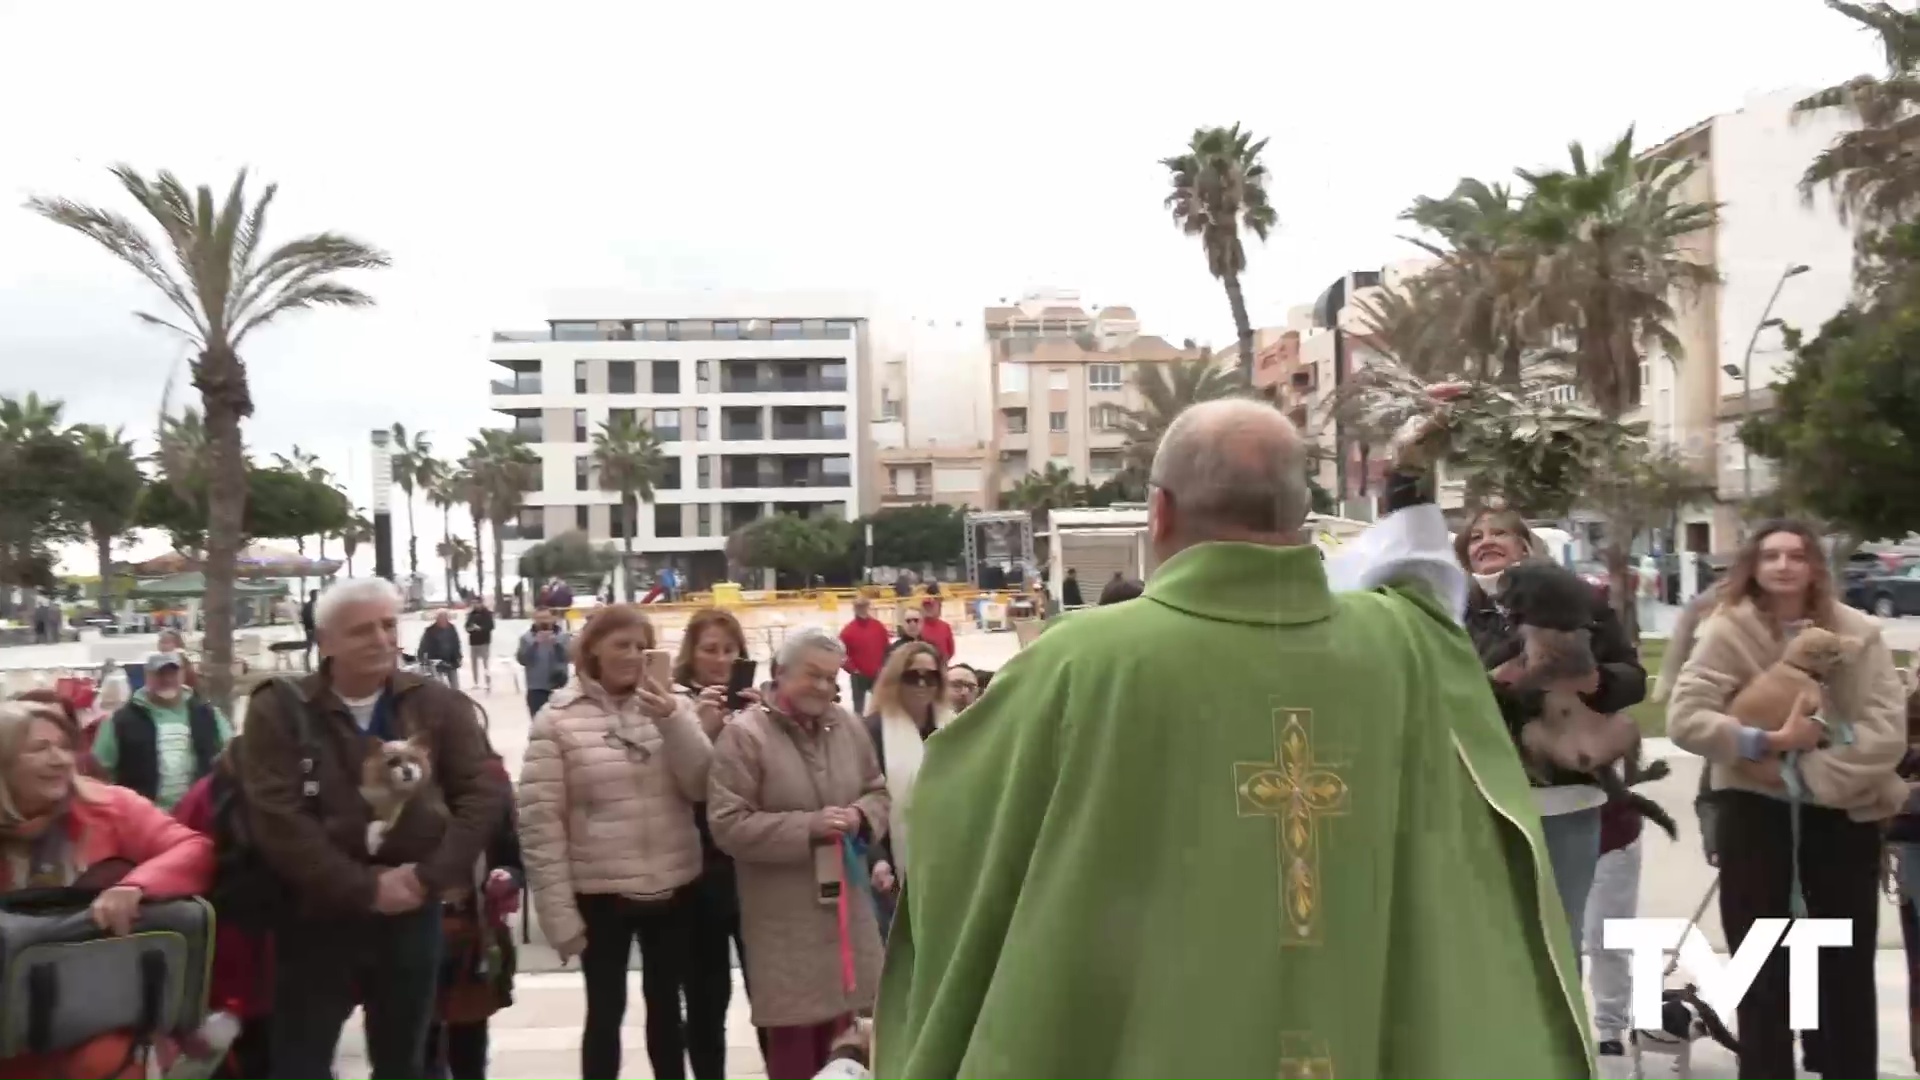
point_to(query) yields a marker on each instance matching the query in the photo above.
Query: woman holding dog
(59, 830)
(614, 766)
(1824, 776)
(1570, 802)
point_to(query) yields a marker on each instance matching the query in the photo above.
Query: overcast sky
(937, 161)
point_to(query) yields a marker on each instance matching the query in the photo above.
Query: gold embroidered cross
(1296, 791)
(1303, 1057)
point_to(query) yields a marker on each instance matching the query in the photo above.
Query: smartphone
(659, 667)
(741, 679)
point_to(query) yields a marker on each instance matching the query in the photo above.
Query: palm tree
(29, 417)
(442, 493)
(1874, 170)
(358, 531)
(467, 482)
(1480, 302)
(1220, 188)
(38, 459)
(458, 555)
(407, 463)
(304, 463)
(1611, 264)
(629, 459)
(1167, 390)
(506, 467)
(223, 283)
(1039, 492)
(104, 492)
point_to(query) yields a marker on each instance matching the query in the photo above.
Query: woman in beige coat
(613, 768)
(791, 778)
(1829, 796)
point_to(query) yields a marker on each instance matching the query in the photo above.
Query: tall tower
(383, 503)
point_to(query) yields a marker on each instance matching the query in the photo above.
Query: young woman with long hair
(1799, 809)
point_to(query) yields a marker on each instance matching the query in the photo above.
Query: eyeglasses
(962, 684)
(920, 678)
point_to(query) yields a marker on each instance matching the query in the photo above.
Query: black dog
(1553, 611)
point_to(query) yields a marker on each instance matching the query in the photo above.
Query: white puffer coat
(606, 802)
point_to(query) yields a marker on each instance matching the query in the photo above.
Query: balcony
(784, 471)
(783, 377)
(522, 383)
(684, 330)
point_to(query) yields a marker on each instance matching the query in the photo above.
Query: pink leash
(848, 981)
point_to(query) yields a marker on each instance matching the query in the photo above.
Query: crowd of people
(1055, 875)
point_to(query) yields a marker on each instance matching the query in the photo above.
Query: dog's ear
(418, 744)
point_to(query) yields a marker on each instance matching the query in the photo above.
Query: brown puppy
(391, 775)
(1811, 656)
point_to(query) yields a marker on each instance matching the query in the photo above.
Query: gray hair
(1234, 465)
(352, 591)
(807, 639)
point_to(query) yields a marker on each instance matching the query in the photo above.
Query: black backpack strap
(43, 999)
(295, 705)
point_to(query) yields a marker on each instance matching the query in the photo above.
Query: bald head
(1233, 470)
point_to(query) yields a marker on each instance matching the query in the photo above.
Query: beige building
(1062, 379)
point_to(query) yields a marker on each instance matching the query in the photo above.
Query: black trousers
(668, 934)
(1840, 878)
(390, 964)
(251, 1055)
(457, 1051)
(862, 686)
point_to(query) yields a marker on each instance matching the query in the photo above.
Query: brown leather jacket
(321, 850)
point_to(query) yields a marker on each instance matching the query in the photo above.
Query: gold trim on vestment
(1296, 791)
(1304, 1057)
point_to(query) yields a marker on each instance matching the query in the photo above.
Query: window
(788, 329)
(582, 473)
(1103, 462)
(669, 478)
(1104, 417)
(617, 520)
(616, 417)
(833, 423)
(582, 518)
(1103, 376)
(1016, 421)
(666, 376)
(839, 328)
(695, 330)
(1057, 378)
(703, 374)
(833, 376)
(1056, 421)
(576, 331)
(704, 526)
(658, 330)
(579, 425)
(837, 471)
(724, 330)
(529, 428)
(532, 524)
(703, 471)
(889, 408)
(620, 377)
(700, 421)
(1013, 377)
(579, 376)
(666, 424)
(1646, 374)
(666, 520)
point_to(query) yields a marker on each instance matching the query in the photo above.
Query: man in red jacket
(865, 639)
(935, 630)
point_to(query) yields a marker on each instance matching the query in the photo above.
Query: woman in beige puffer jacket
(613, 767)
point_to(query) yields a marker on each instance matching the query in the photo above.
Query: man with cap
(164, 738)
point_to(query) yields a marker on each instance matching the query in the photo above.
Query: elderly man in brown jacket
(790, 779)
(363, 927)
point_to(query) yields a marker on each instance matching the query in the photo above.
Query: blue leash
(1796, 794)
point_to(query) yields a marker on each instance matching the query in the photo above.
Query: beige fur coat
(1737, 643)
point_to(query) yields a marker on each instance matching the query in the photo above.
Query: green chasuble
(1239, 827)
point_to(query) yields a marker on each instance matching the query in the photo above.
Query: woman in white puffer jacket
(613, 767)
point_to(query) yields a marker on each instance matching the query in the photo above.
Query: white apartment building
(757, 400)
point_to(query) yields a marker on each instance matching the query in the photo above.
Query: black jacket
(1623, 682)
(137, 736)
(441, 643)
(479, 627)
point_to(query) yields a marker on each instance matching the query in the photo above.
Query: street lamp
(1745, 373)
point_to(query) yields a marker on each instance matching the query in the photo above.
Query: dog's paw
(376, 835)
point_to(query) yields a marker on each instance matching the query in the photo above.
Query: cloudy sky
(937, 158)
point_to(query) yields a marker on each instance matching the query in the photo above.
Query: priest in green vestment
(1243, 826)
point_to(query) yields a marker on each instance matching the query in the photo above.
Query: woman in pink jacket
(613, 767)
(59, 829)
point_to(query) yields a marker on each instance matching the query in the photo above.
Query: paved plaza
(539, 1036)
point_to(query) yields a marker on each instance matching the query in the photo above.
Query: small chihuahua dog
(391, 775)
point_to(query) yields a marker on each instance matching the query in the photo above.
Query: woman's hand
(655, 700)
(835, 822)
(1511, 672)
(883, 877)
(115, 909)
(711, 707)
(1801, 731)
(570, 949)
